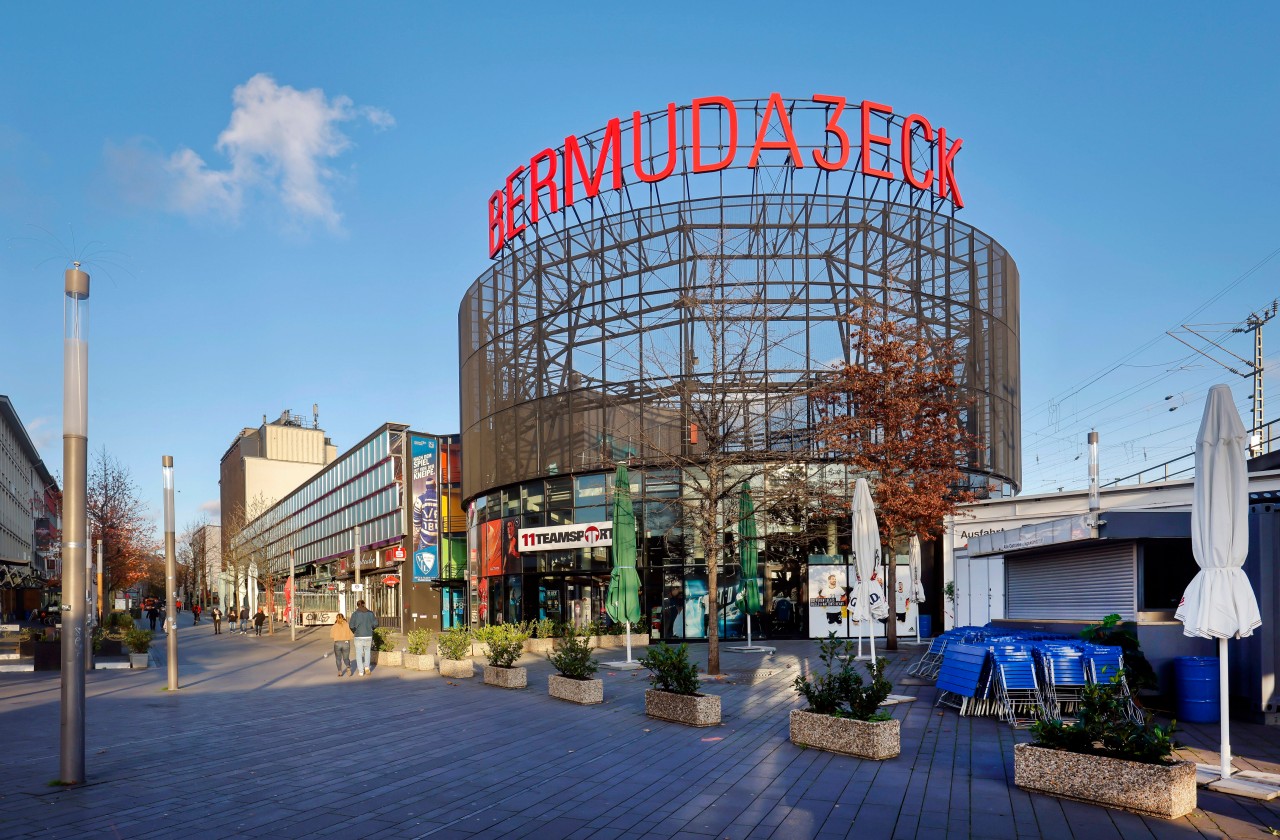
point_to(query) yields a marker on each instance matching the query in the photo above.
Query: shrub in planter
(454, 646)
(844, 710)
(417, 657)
(505, 644)
(1112, 632)
(1108, 758)
(576, 681)
(674, 695)
(139, 641)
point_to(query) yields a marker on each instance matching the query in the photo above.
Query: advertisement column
(426, 509)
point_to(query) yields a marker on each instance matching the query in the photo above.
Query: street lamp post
(170, 573)
(293, 601)
(75, 450)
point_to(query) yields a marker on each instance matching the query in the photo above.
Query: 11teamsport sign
(555, 537)
(713, 133)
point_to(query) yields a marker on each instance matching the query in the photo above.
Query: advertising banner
(556, 537)
(829, 592)
(491, 547)
(424, 454)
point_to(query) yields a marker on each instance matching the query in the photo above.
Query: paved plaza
(264, 740)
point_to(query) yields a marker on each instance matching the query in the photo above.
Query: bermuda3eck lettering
(909, 148)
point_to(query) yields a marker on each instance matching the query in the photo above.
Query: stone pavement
(264, 740)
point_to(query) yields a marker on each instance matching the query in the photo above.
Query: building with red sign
(626, 264)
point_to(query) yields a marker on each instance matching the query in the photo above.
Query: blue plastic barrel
(1197, 681)
(926, 626)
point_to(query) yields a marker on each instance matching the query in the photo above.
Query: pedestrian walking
(362, 623)
(196, 611)
(153, 615)
(259, 619)
(244, 621)
(216, 615)
(342, 636)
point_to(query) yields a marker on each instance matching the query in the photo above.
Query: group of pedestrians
(238, 623)
(357, 633)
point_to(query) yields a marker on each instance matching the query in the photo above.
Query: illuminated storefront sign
(555, 537)
(712, 134)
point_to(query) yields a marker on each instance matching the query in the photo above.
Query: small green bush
(505, 641)
(572, 657)
(841, 692)
(119, 621)
(382, 639)
(545, 629)
(419, 640)
(138, 640)
(1105, 727)
(455, 643)
(671, 669)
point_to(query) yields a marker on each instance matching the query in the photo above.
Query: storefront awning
(1037, 535)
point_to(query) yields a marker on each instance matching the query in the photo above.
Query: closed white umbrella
(1219, 603)
(917, 585)
(866, 554)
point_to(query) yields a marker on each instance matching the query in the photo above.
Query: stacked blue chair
(1062, 665)
(927, 666)
(1105, 662)
(963, 677)
(1019, 698)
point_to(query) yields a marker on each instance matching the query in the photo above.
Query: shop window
(1166, 568)
(589, 490)
(531, 497)
(599, 513)
(560, 493)
(511, 502)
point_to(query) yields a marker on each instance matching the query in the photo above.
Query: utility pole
(1257, 443)
(170, 573)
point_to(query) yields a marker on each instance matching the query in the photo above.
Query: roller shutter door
(1080, 585)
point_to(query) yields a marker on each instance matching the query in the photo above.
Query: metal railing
(1184, 466)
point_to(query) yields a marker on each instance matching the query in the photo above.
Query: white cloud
(41, 431)
(211, 508)
(278, 144)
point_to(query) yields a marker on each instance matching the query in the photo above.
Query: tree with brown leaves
(119, 518)
(895, 413)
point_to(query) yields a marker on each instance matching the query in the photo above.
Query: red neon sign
(554, 179)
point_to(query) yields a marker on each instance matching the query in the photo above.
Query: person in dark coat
(244, 620)
(216, 614)
(259, 619)
(153, 615)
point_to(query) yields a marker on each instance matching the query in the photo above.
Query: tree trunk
(891, 596)
(713, 619)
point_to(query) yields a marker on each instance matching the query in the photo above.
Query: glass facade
(570, 585)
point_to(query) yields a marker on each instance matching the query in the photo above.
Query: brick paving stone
(264, 740)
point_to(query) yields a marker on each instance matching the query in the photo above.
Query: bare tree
(249, 552)
(711, 416)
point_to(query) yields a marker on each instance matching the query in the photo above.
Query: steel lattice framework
(579, 340)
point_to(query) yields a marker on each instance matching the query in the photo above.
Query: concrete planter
(457, 668)
(514, 677)
(689, 709)
(1155, 790)
(637, 640)
(419, 662)
(876, 740)
(138, 660)
(389, 658)
(582, 692)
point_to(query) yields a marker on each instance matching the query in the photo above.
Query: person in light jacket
(362, 623)
(342, 636)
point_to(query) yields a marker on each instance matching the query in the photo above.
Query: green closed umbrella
(748, 556)
(623, 600)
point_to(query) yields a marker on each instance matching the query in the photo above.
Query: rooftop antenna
(315, 413)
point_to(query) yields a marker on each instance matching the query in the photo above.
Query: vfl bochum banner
(424, 454)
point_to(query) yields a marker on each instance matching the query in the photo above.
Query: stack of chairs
(928, 665)
(1062, 664)
(964, 678)
(1102, 662)
(1016, 685)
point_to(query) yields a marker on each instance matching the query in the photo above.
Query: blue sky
(309, 241)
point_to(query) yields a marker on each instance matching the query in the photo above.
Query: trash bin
(926, 626)
(1197, 684)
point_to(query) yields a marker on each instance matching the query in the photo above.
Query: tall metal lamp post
(170, 574)
(75, 450)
